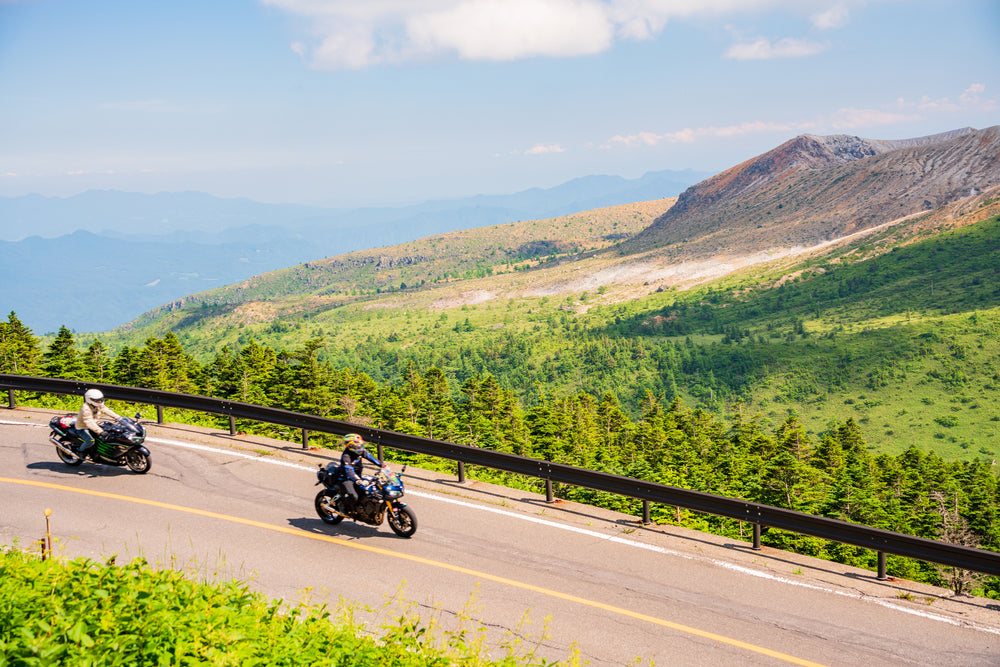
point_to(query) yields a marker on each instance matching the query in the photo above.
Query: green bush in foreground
(84, 613)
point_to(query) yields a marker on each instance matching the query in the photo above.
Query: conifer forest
(662, 439)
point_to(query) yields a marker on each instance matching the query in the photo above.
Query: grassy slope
(904, 342)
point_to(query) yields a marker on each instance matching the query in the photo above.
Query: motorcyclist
(93, 408)
(352, 463)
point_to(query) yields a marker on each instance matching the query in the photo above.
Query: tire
(137, 461)
(68, 459)
(406, 524)
(325, 498)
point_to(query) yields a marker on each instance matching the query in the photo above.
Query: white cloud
(542, 149)
(763, 49)
(971, 99)
(847, 119)
(354, 34)
(510, 29)
(852, 119)
(834, 17)
(971, 94)
(689, 135)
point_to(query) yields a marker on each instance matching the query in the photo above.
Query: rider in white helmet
(93, 408)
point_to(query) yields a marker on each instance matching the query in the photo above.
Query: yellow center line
(433, 563)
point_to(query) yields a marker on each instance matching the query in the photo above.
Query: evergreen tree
(163, 364)
(245, 377)
(437, 408)
(97, 364)
(19, 348)
(61, 359)
(302, 382)
(125, 370)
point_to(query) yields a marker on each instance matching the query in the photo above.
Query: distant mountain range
(99, 259)
(810, 196)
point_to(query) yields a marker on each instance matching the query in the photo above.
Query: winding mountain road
(553, 577)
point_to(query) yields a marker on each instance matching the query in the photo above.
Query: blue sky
(386, 102)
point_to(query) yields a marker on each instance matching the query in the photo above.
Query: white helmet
(93, 396)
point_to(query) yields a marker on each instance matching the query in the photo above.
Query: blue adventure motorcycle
(381, 501)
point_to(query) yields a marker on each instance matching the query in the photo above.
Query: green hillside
(904, 342)
(854, 385)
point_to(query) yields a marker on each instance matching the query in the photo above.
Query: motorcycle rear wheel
(404, 522)
(137, 462)
(325, 500)
(68, 459)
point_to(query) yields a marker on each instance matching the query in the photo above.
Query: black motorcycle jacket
(352, 463)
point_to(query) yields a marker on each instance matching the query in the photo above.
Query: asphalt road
(552, 578)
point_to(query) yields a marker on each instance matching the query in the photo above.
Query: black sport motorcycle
(120, 446)
(382, 501)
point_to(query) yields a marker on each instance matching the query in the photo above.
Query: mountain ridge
(769, 209)
(810, 191)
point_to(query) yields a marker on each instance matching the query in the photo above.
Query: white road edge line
(584, 531)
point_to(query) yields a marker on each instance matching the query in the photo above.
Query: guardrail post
(159, 414)
(756, 537)
(461, 472)
(305, 439)
(10, 399)
(232, 425)
(645, 513)
(549, 497)
(882, 576)
(378, 451)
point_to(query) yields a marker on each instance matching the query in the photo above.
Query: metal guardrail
(881, 541)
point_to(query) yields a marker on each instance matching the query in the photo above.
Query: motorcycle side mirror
(404, 468)
(138, 415)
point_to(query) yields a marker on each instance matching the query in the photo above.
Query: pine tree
(437, 409)
(97, 364)
(163, 364)
(19, 348)
(61, 359)
(125, 370)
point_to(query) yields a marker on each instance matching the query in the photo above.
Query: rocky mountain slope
(812, 190)
(810, 195)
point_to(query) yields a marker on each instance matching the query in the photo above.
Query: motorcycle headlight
(135, 438)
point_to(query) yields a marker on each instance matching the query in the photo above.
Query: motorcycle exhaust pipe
(329, 506)
(62, 447)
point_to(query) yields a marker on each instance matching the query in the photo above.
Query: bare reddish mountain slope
(813, 189)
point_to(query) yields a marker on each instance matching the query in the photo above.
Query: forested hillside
(833, 473)
(855, 378)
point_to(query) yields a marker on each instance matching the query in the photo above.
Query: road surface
(552, 578)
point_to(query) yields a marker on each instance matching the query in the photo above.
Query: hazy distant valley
(141, 251)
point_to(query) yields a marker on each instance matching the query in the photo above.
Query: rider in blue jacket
(352, 463)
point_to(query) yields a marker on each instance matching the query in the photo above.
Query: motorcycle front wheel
(403, 522)
(326, 500)
(137, 462)
(68, 459)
